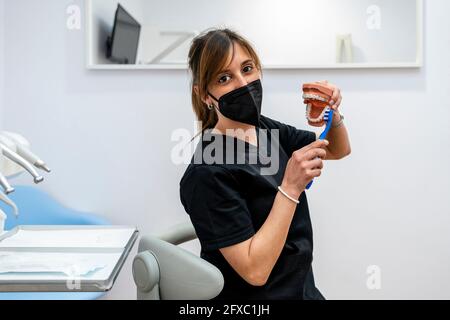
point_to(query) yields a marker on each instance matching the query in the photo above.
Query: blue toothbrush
(328, 118)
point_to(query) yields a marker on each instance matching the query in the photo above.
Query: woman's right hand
(304, 165)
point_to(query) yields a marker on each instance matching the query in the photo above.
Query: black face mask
(242, 104)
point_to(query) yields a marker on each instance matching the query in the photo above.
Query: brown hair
(208, 55)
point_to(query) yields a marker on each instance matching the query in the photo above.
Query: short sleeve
(291, 138)
(210, 195)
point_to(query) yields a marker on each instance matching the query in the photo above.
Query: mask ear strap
(213, 97)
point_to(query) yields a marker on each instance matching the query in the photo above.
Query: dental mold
(317, 97)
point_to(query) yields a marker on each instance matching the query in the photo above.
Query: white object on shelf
(344, 43)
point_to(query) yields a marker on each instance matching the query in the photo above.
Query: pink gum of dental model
(313, 94)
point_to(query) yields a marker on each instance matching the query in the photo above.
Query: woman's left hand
(335, 102)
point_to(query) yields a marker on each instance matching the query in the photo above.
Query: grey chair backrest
(164, 271)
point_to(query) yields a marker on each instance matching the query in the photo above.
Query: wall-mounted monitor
(123, 44)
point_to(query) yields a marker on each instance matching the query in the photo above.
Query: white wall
(106, 134)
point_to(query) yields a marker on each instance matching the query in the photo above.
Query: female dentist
(255, 228)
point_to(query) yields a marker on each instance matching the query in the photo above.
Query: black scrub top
(229, 200)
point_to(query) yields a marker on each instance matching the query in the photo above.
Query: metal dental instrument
(31, 157)
(9, 202)
(27, 154)
(21, 162)
(5, 184)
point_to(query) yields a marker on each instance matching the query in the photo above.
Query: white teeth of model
(314, 97)
(319, 118)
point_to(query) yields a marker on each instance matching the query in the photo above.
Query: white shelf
(266, 67)
(95, 61)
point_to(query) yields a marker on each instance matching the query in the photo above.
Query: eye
(248, 68)
(224, 78)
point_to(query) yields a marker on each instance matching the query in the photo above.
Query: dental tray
(63, 258)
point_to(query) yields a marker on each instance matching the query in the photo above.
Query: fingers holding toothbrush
(304, 165)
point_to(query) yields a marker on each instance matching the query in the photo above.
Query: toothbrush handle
(322, 137)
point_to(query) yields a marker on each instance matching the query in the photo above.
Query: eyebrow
(245, 62)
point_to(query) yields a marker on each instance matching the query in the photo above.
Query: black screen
(125, 37)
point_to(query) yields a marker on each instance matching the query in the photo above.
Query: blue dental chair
(38, 208)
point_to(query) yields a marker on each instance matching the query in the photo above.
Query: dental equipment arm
(26, 153)
(5, 184)
(17, 158)
(9, 202)
(21, 162)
